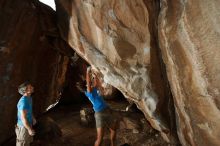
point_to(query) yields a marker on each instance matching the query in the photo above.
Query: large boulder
(189, 39)
(26, 53)
(117, 39)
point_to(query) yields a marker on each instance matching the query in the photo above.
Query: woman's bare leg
(100, 133)
(112, 136)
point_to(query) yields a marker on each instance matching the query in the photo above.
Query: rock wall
(116, 38)
(26, 31)
(189, 40)
(119, 38)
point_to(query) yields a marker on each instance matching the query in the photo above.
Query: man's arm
(25, 122)
(88, 80)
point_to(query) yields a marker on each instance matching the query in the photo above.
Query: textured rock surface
(26, 54)
(189, 40)
(114, 37)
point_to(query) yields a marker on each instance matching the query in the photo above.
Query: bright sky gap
(50, 3)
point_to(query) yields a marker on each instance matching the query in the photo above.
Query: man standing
(25, 119)
(103, 114)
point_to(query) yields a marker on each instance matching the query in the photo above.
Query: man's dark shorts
(105, 118)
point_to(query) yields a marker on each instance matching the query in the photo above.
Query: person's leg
(112, 127)
(17, 131)
(100, 133)
(21, 136)
(112, 136)
(99, 119)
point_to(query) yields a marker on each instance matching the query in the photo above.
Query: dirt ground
(63, 127)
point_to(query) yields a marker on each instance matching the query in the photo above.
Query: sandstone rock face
(26, 54)
(115, 38)
(189, 39)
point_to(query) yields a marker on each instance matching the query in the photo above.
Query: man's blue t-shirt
(25, 103)
(96, 100)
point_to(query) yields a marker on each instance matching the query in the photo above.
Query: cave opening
(50, 3)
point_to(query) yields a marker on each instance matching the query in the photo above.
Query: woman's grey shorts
(105, 118)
